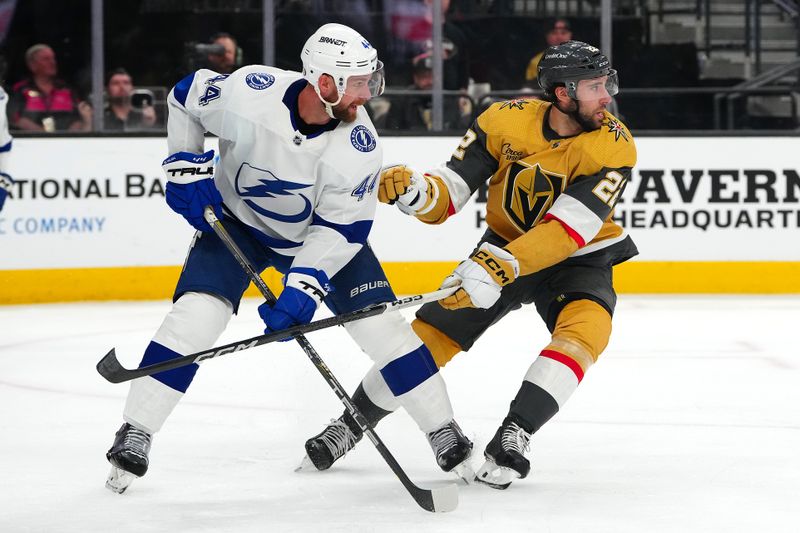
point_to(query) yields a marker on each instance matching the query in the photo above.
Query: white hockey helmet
(342, 53)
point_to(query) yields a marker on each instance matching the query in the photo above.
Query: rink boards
(88, 220)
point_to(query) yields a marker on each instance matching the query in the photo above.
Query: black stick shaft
(112, 370)
(424, 498)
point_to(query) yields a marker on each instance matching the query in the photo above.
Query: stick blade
(439, 499)
(110, 368)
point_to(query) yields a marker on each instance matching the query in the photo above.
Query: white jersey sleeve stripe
(458, 188)
(576, 216)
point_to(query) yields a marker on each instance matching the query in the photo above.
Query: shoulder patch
(511, 116)
(517, 103)
(362, 139)
(259, 80)
(615, 127)
(612, 145)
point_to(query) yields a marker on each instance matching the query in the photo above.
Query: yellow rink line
(152, 283)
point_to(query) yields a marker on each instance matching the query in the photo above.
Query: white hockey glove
(482, 277)
(406, 187)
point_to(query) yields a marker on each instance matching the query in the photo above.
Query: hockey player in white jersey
(5, 149)
(294, 184)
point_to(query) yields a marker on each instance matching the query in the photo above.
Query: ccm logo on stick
(223, 351)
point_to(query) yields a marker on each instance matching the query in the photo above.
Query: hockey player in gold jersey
(555, 168)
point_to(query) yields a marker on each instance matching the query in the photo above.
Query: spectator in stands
(410, 27)
(43, 102)
(122, 112)
(229, 60)
(558, 32)
(414, 112)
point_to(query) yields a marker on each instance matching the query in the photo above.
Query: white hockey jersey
(310, 197)
(5, 137)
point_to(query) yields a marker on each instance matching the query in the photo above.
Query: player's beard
(343, 111)
(586, 121)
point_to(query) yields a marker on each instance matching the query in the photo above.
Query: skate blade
(464, 472)
(306, 465)
(495, 476)
(119, 480)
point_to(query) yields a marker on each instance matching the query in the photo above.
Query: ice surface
(689, 422)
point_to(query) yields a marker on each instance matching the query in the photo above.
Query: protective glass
(367, 85)
(596, 88)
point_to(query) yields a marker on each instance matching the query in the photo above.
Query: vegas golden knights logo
(530, 191)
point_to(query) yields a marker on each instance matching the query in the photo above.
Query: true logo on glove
(192, 171)
(308, 287)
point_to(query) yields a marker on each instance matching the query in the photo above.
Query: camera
(208, 49)
(196, 54)
(142, 98)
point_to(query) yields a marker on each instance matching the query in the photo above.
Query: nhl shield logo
(363, 140)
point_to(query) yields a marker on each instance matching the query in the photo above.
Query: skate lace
(442, 439)
(515, 438)
(338, 438)
(137, 441)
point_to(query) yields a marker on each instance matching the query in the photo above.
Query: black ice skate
(338, 438)
(452, 449)
(505, 461)
(128, 457)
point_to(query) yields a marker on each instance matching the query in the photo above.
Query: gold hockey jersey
(536, 175)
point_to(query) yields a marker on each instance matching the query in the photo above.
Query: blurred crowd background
(684, 65)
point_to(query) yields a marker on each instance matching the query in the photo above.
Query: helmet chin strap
(328, 106)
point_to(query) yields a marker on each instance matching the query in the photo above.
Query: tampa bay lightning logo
(259, 80)
(257, 186)
(363, 140)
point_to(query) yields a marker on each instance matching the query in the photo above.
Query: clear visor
(597, 88)
(365, 86)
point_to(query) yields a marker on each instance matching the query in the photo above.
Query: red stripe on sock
(564, 360)
(571, 232)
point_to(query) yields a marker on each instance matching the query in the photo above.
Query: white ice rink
(690, 422)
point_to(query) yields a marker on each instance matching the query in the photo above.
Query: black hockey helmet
(568, 63)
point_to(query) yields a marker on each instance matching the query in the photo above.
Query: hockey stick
(440, 499)
(112, 370)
